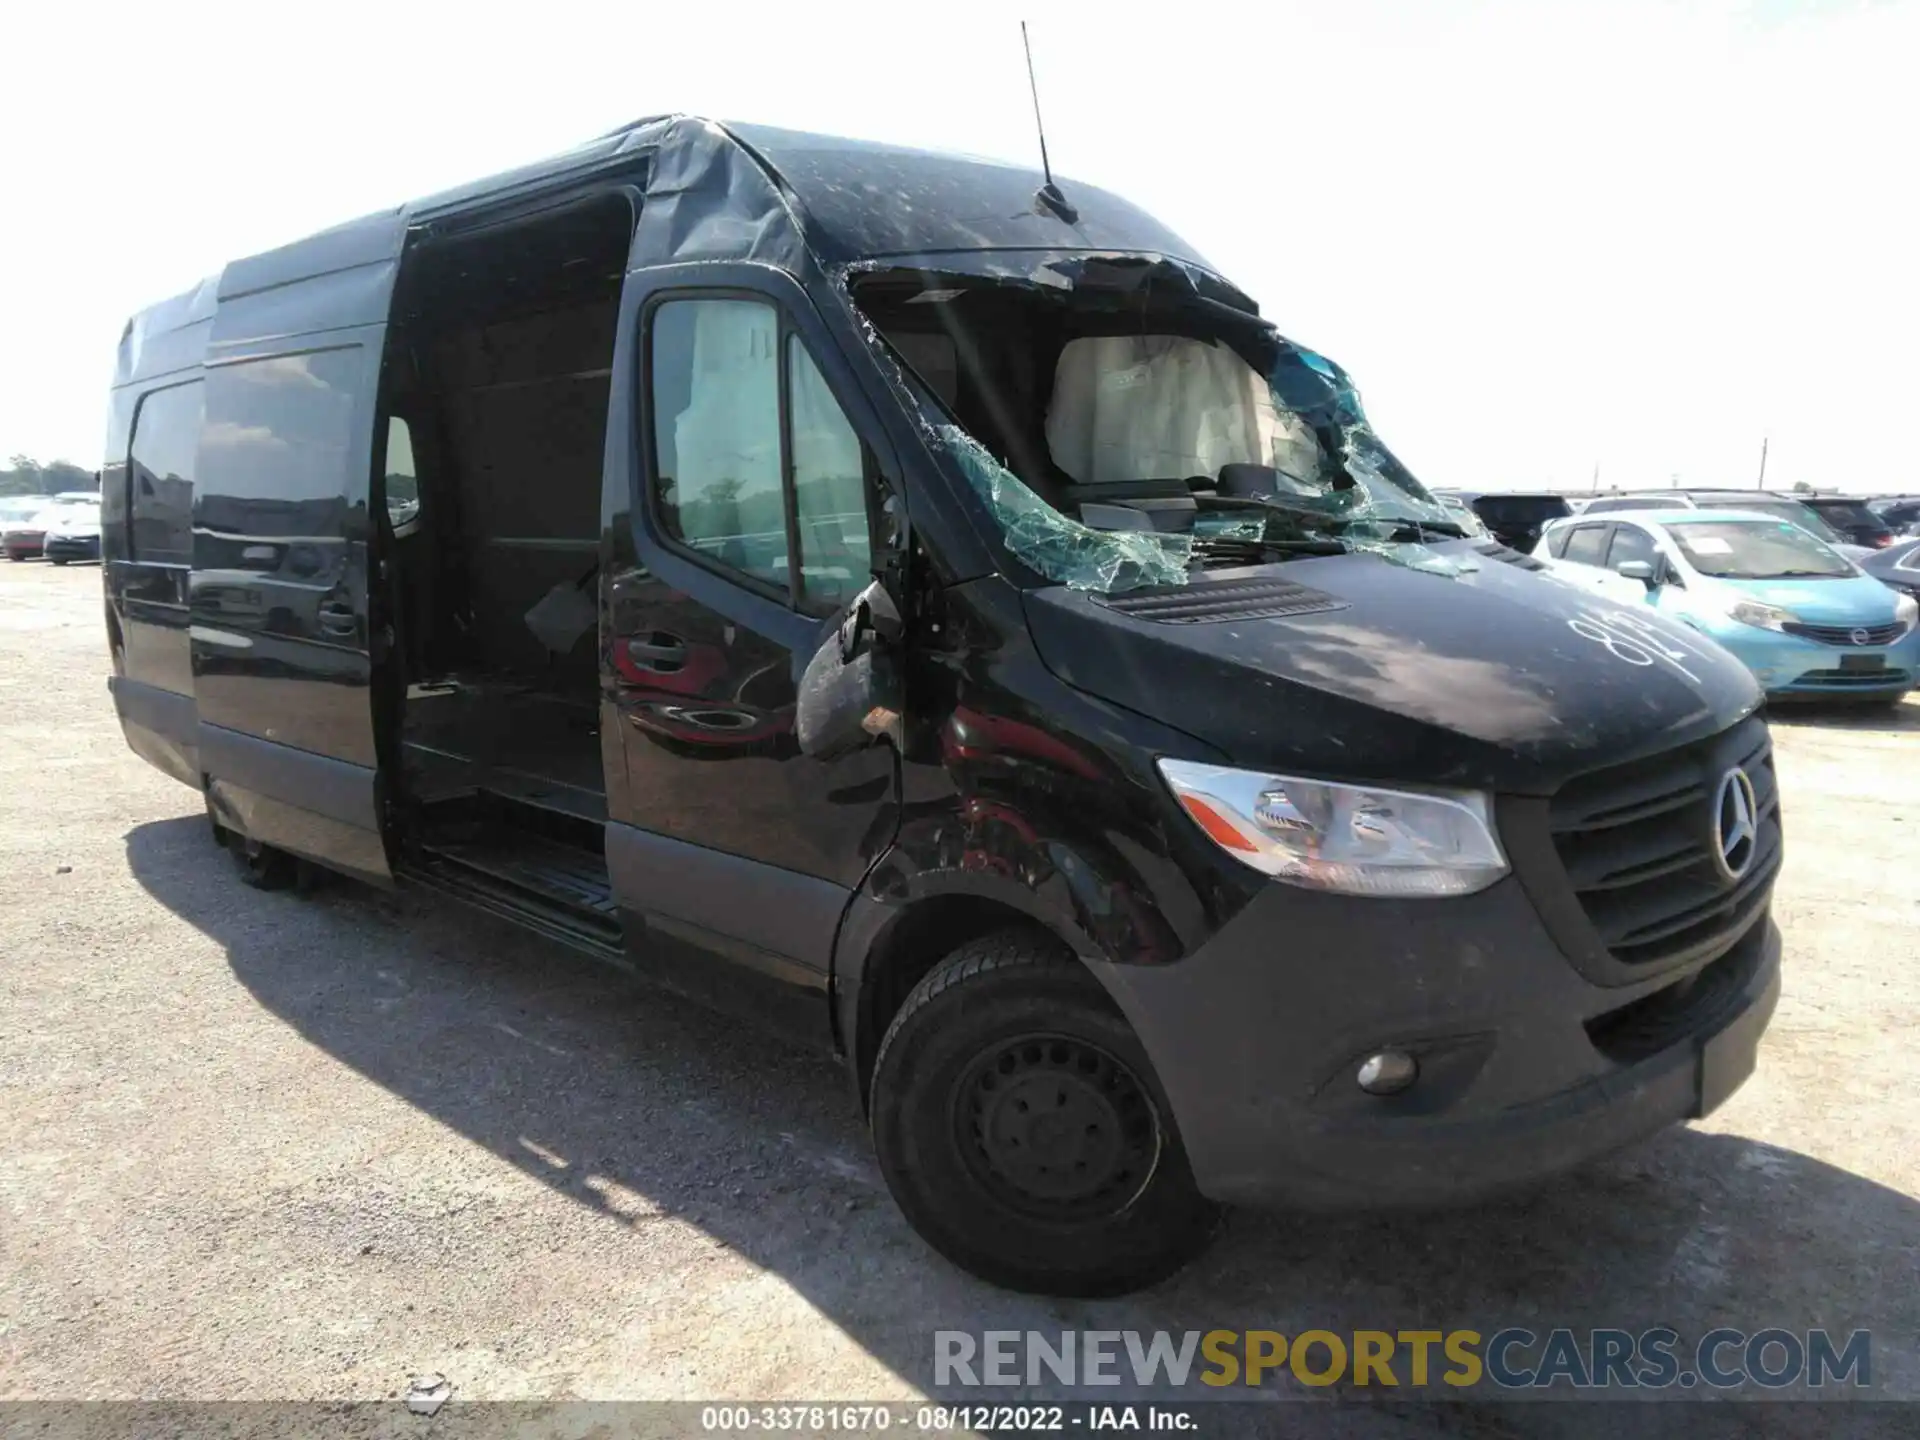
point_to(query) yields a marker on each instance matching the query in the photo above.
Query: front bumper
(23, 542)
(70, 547)
(1527, 1067)
(1794, 665)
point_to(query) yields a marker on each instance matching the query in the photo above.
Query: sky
(1545, 236)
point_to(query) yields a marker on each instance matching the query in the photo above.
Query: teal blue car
(1802, 617)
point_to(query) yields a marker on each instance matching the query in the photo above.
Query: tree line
(26, 476)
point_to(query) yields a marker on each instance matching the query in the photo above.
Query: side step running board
(560, 892)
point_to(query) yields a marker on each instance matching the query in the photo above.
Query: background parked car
(1514, 517)
(1803, 618)
(73, 532)
(1752, 502)
(1853, 518)
(25, 536)
(1898, 565)
(1901, 512)
(17, 513)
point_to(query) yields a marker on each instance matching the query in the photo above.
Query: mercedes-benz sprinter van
(931, 611)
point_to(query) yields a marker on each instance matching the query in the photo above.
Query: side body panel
(282, 645)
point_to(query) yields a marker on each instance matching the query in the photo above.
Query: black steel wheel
(1021, 1129)
(1056, 1127)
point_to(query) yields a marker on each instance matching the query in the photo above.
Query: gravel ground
(257, 1145)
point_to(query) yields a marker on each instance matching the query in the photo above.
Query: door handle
(338, 618)
(659, 651)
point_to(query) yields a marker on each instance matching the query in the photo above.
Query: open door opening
(495, 399)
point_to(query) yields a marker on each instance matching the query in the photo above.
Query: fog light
(1387, 1073)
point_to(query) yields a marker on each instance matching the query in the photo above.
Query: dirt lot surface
(258, 1145)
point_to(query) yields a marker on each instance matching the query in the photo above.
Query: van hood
(1498, 677)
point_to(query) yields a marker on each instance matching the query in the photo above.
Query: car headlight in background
(1354, 839)
(1767, 617)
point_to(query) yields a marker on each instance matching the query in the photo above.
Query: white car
(73, 531)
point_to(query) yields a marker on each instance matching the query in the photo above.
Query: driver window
(1631, 543)
(716, 433)
(747, 467)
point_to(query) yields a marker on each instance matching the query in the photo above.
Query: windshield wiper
(1803, 575)
(1404, 529)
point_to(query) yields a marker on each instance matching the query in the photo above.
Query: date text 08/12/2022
(944, 1419)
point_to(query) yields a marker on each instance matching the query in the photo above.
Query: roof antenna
(1048, 194)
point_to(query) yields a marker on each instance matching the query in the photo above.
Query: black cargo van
(934, 614)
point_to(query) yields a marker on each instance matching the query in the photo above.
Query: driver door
(753, 507)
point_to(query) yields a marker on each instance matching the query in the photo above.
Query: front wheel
(1020, 1128)
(58, 559)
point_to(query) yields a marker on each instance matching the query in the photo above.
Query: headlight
(1767, 617)
(1355, 839)
(1906, 610)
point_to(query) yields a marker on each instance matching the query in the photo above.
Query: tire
(58, 559)
(1002, 1026)
(15, 556)
(262, 866)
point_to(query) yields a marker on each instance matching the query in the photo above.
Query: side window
(716, 433)
(1630, 542)
(738, 478)
(280, 453)
(829, 489)
(1557, 542)
(1586, 544)
(166, 437)
(401, 480)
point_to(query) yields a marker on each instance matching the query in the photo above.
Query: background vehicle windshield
(1850, 512)
(1794, 513)
(1756, 550)
(16, 508)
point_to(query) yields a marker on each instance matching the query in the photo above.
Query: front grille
(1637, 844)
(1847, 634)
(1855, 679)
(1670, 1014)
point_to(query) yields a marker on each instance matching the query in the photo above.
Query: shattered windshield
(1123, 438)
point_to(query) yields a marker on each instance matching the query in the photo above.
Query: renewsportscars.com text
(1512, 1358)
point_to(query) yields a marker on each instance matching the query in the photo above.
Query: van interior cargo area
(497, 378)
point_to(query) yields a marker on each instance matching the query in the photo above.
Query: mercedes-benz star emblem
(1859, 637)
(1736, 824)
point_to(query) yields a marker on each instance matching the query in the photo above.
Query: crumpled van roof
(712, 191)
